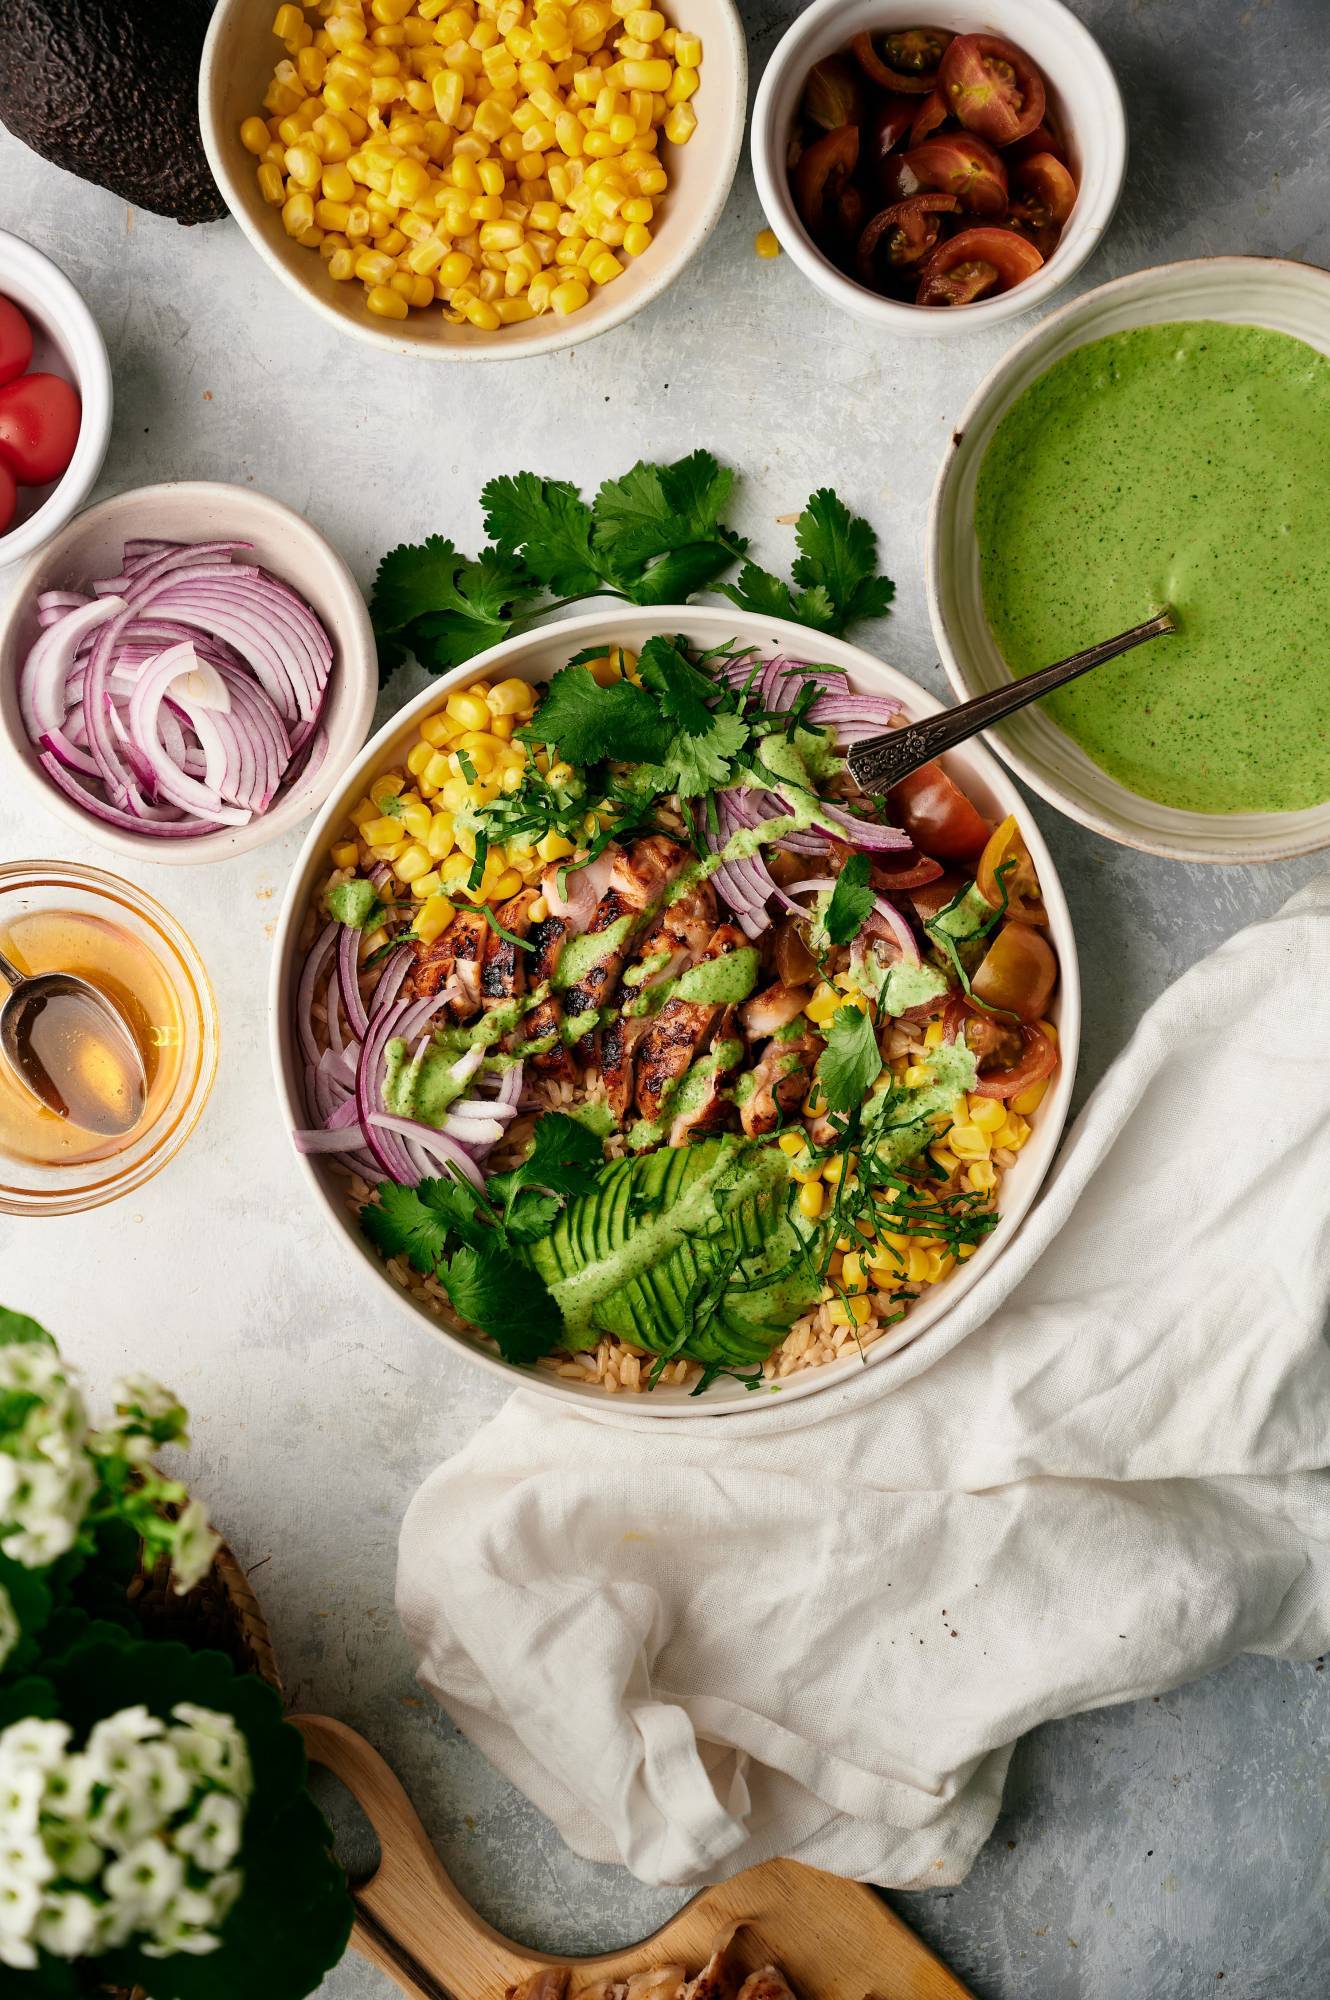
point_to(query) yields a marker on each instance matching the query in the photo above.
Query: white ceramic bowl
(535, 656)
(91, 545)
(1245, 291)
(238, 59)
(66, 340)
(1083, 97)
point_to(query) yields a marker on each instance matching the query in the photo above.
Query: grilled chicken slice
(679, 1032)
(455, 960)
(712, 1107)
(639, 876)
(720, 1978)
(618, 1038)
(573, 893)
(547, 941)
(768, 1984)
(641, 873)
(664, 1982)
(678, 936)
(773, 1008)
(781, 1077)
(503, 975)
(549, 1984)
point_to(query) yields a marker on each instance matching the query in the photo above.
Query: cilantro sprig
(655, 536)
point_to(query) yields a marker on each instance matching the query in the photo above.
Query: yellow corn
(433, 918)
(982, 1177)
(986, 1112)
(767, 243)
(1029, 1100)
(554, 847)
(850, 1312)
(344, 854)
(968, 1142)
(810, 1199)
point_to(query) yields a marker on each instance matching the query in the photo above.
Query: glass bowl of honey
(60, 917)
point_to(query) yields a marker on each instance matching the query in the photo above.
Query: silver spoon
(879, 762)
(48, 1021)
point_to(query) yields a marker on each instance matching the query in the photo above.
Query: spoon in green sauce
(879, 762)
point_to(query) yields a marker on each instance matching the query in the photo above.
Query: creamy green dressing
(686, 1094)
(580, 955)
(723, 982)
(420, 1086)
(1189, 465)
(902, 1128)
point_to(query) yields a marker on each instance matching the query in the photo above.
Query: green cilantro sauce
(581, 954)
(723, 981)
(686, 1095)
(1189, 465)
(901, 1126)
(420, 1086)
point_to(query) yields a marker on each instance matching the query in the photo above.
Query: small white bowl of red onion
(186, 671)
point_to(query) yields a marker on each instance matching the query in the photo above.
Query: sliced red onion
(868, 834)
(320, 952)
(348, 978)
(427, 1139)
(323, 1140)
(899, 928)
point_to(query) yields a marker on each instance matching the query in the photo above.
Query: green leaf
(685, 695)
(814, 607)
(17, 1330)
(681, 572)
(839, 557)
(354, 903)
(565, 1158)
(694, 765)
(757, 590)
(416, 1222)
(445, 607)
(851, 1062)
(547, 523)
(503, 1296)
(588, 722)
(530, 1216)
(657, 531)
(851, 901)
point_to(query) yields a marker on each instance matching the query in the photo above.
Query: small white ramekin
(1083, 97)
(66, 341)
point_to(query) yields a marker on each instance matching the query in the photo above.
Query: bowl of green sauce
(1165, 439)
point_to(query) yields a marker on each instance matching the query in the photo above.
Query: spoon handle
(9, 972)
(879, 762)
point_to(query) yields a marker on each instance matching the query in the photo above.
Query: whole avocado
(110, 93)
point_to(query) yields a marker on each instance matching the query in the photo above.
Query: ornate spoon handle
(879, 762)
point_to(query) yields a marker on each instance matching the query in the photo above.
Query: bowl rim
(80, 338)
(571, 331)
(715, 625)
(1186, 847)
(899, 316)
(356, 659)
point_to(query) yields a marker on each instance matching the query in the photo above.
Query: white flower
(69, 1785)
(74, 1853)
(67, 1924)
(23, 1858)
(213, 1745)
(31, 1366)
(113, 1744)
(127, 1815)
(145, 1880)
(144, 1397)
(225, 1892)
(212, 1837)
(19, 1904)
(46, 1507)
(34, 1742)
(194, 1547)
(21, 1789)
(184, 1927)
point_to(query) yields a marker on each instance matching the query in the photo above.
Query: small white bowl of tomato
(940, 174)
(55, 399)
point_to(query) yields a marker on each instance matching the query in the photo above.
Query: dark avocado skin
(110, 93)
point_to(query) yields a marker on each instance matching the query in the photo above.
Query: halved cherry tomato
(822, 172)
(931, 113)
(1043, 139)
(833, 94)
(992, 87)
(889, 874)
(994, 1043)
(958, 163)
(976, 264)
(8, 496)
(1006, 878)
(908, 59)
(15, 342)
(937, 815)
(791, 960)
(1017, 973)
(930, 897)
(1038, 1058)
(1046, 182)
(1030, 220)
(903, 235)
(39, 427)
(889, 125)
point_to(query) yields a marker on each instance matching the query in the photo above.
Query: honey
(69, 1039)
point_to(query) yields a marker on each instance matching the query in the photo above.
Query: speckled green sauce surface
(1187, 465)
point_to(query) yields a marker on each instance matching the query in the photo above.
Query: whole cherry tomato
(937, 815)
(15, 342)
(8, 497)
(39, 427)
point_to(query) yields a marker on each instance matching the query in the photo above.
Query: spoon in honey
(72, 1049)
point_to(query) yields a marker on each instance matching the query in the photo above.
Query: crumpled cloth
(818, 1630)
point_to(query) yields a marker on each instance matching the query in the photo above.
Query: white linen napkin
(818, 1630)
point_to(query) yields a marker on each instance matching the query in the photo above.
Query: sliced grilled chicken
(781, 1077)
(679, 1032)
(573, 893)
(664, 1982)
(503, 975)
(618, 1038)
(601, 977)
(678, 936)
(641, 873)
(712, 1108)
(455, 960)
(551, 1983)
(639, 876)
(772, 1009)
(768, 1984)
(547, 939)
(720, 1978)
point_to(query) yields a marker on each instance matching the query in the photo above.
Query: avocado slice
(110, 93)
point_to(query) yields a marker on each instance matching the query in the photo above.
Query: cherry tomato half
(889, 125)
(1046, 183)
(906, 59)
(903, 235)
(822, 172)
(833, 94)
(15, 342)
(930, 897)
(39, 427)
(931, 113)
(1043, 139)
(1031, 220)
(1017, 973)
(992, 87)
(8, 497)
(1038, 1058)
(937, 815)
(1006, 878)
(975, 265)
(958, 163)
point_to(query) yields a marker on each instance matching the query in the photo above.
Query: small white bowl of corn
(475, 179)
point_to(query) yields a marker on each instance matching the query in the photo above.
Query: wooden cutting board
(834, 1940)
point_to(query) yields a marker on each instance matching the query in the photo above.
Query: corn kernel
(636, 239)
(439, 840)
(981, 1178)
(1029, 1100)
(967, 1142)
(344, 854)
(413, 861)
(433, 918)
(271, 184)
(680, 124)
(554, 847)
(810, 1199)
(766, 243)
(254, 136)
(850, 1312)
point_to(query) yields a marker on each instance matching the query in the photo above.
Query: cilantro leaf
(851, 1062)
(588, 722)
(685, 695)
(757, 590)
(565, 1159)
(548, 523)
(445, 607)
(851, 901)
(657, 532)
(531, 1216)
(416, 1222)
(356, 904)
(838, 555)
(505, 1298)
(694, 765)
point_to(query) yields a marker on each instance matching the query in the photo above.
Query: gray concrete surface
(1146, 1853)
